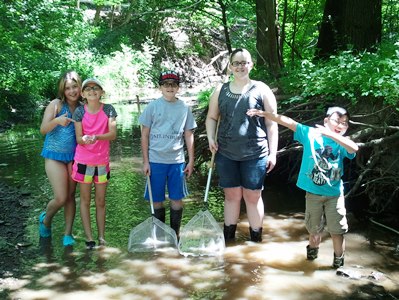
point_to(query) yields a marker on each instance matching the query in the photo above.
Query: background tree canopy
(312, 52)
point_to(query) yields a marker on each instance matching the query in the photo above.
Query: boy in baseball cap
(167, 125)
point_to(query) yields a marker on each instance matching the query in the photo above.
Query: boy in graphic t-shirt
(324, 149)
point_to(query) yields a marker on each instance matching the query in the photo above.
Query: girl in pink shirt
(95, 127)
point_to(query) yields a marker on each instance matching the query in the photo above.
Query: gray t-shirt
(167, 122)
(241, 137)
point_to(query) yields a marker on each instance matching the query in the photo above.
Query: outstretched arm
(280, 119)
(345, 142)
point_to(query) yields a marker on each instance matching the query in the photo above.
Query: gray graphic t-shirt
(167, 122)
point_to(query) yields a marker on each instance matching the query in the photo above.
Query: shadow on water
(273, 269)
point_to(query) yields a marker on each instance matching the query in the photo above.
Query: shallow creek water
(273, 269)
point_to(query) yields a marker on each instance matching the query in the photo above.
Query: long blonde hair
(68, 75)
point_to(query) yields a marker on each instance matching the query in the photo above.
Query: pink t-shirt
(94, 124)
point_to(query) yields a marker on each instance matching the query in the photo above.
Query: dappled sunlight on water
(274, 269)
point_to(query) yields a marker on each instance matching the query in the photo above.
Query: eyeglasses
(336, 122)
(240, 63)
(95, 88)
(170, 84)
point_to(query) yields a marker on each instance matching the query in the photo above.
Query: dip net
(152, 234)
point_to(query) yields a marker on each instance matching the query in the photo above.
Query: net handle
(150, 193)
(208, 182)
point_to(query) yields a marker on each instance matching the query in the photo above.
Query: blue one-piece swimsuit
(60, 143)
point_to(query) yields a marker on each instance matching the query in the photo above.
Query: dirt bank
(14, 205)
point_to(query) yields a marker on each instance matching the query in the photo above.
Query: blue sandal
(68, 240)
(44, 231)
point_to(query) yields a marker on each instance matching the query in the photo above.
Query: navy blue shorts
(249, 174)
(170, 175)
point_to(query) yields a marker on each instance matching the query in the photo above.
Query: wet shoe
(311, 253)
(68, 240)
(44, 231)
(90, 245)
(101, 242)
(338, 261)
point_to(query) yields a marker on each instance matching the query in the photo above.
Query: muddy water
(273, 269)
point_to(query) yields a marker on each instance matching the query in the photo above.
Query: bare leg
(100, 209)
(255, 208)
(232, 203)
(158, 205)
(85, 198)
(338, 244)
(314, 240)
(70, 204)
(57, 173)
(176, 204)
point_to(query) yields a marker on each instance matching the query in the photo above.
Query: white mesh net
(151, 235)
(201, 236)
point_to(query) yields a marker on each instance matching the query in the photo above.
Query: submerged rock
(358, 272)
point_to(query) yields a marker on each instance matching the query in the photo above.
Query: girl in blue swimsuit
(58, 151)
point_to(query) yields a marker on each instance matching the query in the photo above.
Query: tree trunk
(267, 45)
(97, 15)
(225, 27)
(349, 23)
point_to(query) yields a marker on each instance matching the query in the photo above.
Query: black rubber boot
(229, 232)
(159, 213)
(256, 236)
(175, 220)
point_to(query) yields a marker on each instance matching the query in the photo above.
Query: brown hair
(235, 51)
(68, 75)
(337, 109)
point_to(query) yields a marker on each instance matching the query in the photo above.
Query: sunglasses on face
(170, 84)
(95, 88)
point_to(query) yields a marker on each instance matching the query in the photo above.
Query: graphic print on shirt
(326, 167)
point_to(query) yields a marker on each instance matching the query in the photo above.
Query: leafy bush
(123, 72)
(203, 98)
(349, 75)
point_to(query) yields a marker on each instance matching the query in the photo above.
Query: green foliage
(203, 98)
(39, 39)
(302, 20)
(107, 2)
(348, 75)
(126, 70)
(262, 74)
(17, 107)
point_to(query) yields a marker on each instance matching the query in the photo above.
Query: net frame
(202, 235)
(151, 234)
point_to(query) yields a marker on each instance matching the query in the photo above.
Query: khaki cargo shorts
(325, 212)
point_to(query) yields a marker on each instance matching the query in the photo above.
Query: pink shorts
(88, 174)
